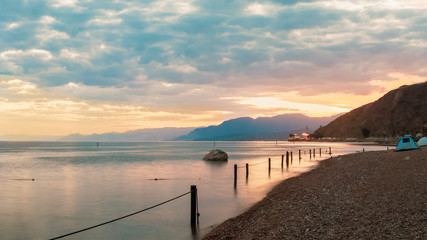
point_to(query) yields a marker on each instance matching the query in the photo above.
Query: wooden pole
(320, 151)
(299, 154)
(247, 170)
(235, 175)
(269, 165)
(193, 204)
(330, 152)
(282, 160)
(287, 159)
(292, 158)
(310, 153)
(314, 152)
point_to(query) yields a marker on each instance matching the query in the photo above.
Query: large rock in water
(216, 155)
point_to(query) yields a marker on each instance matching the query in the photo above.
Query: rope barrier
(114, 220)
(258, 163)
(170, 179)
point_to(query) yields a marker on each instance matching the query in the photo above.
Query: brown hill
(400, 111)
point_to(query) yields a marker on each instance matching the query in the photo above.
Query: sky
(87, 66)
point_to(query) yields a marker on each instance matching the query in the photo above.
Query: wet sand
(368, 195)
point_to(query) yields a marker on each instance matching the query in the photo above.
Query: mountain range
(152, 134)
(28, 138)
(399, 112)
(239, 129)
(262, 128)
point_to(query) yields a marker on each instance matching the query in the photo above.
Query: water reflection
(78, 185)
(195, 230)
(216, 164)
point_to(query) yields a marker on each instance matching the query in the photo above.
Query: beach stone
(216, 155)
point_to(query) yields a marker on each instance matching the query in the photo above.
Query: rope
(101, 224)
(258, 163)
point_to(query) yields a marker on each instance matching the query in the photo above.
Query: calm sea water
(78, 185)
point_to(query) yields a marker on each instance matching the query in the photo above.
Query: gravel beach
(368, 195)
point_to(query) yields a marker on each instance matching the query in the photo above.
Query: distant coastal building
(294, 136)
(304, 136)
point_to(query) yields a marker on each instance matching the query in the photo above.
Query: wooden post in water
(287, 159)
(330, 152)
(282, 160)
(193, 204)
(299, 154)
(363, 149)
(235, 175)
(292, 158)
(247, 170)
(320, 151)
(310, 153)
(314, 152)
(269, 165)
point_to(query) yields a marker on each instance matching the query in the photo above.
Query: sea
(50, 189)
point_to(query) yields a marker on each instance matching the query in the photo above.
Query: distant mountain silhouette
(400, 111)
(29, 138)
(154, 134)
(263, 128)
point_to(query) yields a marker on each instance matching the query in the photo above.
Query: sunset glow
(86, 67)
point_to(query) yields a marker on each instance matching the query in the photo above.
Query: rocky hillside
(400, 111)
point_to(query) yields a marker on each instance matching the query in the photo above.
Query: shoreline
(378, 194)
(373, 141)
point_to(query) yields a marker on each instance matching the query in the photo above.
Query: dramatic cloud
(192, 63)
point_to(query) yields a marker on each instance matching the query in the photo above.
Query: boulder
(216, 155)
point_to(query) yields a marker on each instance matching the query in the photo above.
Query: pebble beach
(366, 195)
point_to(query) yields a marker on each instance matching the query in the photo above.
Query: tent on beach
(406, 143)
(422, 142)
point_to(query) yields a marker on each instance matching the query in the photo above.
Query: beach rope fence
(194, 212)
(289, 160)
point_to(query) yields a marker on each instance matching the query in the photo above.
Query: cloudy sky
(87, 66)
